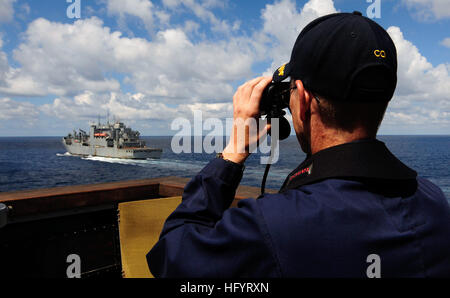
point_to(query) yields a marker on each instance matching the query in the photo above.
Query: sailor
(351, 209)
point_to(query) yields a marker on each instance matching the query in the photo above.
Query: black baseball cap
(344, 56)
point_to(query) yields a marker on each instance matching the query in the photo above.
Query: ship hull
(112, 152)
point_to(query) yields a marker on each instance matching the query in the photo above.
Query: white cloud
(178, 68)
(6, 10)
(429, 9)
(4, 65)
(129, 107)
(210, 110)
(62, 59)
(11, 110)
(142, 9)
(446, 42)
(416, 76)
(201, 9)
(171, 3)
(25, 8)
(23, 12)
(66, 59)
(422, 97)
(283, 23)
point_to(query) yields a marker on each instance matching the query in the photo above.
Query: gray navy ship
(110, 140)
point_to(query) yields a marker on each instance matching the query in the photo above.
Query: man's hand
(246, 102)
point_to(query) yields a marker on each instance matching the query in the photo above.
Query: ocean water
(42, 162)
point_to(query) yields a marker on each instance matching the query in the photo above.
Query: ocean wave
(148, 162)
(182, 165)
(64, 154)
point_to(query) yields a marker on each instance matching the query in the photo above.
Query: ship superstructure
(110, 140)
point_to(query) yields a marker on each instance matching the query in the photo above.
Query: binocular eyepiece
(274, 100)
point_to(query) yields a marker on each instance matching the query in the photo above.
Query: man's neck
(327, 138)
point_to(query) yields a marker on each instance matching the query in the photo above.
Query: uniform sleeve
(203, 237)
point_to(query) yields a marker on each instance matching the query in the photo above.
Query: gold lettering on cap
(380, 53)
(281, 70)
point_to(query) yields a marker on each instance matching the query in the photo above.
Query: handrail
(41, 201)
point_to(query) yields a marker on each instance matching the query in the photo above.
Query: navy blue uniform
(339, 206)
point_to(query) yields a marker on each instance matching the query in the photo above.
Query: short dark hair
(348, 116)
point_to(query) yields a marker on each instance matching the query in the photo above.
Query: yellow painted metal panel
(140, 224)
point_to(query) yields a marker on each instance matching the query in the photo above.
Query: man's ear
(305, 100)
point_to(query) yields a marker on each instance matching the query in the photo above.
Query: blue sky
(149, 62)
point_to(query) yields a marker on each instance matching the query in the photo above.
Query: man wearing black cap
(351, 209)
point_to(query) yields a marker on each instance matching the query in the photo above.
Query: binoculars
(274, 100)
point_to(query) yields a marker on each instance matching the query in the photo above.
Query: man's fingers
(254, 82)
(247, 97)
(247, 88)
(259, 89)
(261, 85)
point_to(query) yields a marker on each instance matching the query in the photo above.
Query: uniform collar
(368, 159)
